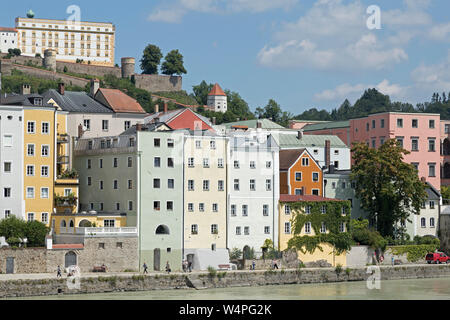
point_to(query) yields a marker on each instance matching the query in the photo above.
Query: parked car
(437, 257)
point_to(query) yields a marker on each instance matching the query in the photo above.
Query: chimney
(166, 108)
(299, 134)
(80, 131)
(61, 88)
(156, 108)
(138, 126)
(26, 89)
(258, 124)
(95, 85)
(328, 154)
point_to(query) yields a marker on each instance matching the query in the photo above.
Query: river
(417, 289)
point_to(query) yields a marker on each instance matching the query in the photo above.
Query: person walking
(253, 264)
(58, 272)
(275, 264)
(190, 266)
(184, 266)
(168, 267)
(145, 268)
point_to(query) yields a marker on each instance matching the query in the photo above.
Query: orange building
(300, 174)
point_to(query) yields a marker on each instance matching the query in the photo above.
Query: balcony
(62, 138)
(63, 160)
(67, 177)
(66, 201)
(122, 231)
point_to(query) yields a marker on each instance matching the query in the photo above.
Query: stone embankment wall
(17, 288)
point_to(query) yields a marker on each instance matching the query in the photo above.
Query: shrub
(212, 272)
(347, 271)
(338, 269)
(14, 241)
(235, 253)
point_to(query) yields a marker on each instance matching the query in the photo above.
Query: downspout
(182, 197)
(138, 177)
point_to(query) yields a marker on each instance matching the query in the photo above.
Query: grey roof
(76, 102)
(289, 140)
(327, 125)
(145, 127)
(265, 124)
(433, 194)
(23, 100)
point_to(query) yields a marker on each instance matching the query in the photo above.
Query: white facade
(253, 163)
(219, 103)
(427, 222)
(339, 157)
(88, 41)
(11, 161)
(8, 39)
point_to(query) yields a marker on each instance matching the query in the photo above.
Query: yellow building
(313, 207)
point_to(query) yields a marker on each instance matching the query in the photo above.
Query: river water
(417, 289)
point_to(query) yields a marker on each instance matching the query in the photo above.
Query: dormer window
(38, 101)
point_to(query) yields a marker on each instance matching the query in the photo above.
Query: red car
(437, 257)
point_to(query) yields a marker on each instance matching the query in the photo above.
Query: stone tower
(217, 99)
(128, 65)
(50, 59)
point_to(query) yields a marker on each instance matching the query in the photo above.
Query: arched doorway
(162, 229)
(246, 252)
(157, 259)
(447, 170)
(70, 259)
(85, 224)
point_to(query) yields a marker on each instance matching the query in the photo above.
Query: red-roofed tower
(217, 99)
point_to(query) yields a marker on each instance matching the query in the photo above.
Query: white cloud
(259, 5)
(169, 15)
(433, 78)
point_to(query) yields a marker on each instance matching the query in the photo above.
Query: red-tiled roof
(297, 198)
(68, 246)
(240, 127)
(4, 29)
(120, 102)
(217, 91)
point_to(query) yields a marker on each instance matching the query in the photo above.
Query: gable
(188, 120)
(312, 162)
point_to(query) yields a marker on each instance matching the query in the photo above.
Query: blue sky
(302, 53)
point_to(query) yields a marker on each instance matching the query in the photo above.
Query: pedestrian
(168, 267)
(145, 268)
(253, 264)
(274, 263)
(392, 260)
(381, 259)
(58, 272)
(184, 264)
(190, 266)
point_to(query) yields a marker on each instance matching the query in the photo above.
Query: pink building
(419, 133)
(445, 152)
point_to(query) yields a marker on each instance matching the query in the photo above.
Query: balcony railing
(107, 231)
(62, 138)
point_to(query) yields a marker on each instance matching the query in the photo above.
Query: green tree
(151, 59)
(235, 253)
(35, 232)
(201, 91)
(389, 189)
(12, 227)
(273, 112)
(173, 63)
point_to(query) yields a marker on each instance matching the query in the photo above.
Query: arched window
(432, 222)
(71, 224)
(162, 229)
(423, 223)
(63, 223)
(446, 147)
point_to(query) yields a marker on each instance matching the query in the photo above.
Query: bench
(224, 267)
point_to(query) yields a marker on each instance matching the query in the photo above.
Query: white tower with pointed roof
(217, 99)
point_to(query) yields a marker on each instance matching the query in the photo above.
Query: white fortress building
(92, 42)
(8, 39)
(217, 99)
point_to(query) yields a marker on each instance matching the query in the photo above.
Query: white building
(253, 180)
(8, 39)
(88, 41)
(11, 161)
(217, 99)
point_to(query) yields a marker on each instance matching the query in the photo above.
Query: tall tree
(201, 91)
(389, 189)
(151, 59)
(173, 63)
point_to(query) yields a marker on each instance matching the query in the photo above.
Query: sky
(301, 53)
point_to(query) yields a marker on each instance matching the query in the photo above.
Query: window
(236, 184)
(157, 162)
(238, 231)
(30, 192)
(220, 185)
(45, 128)
(268, 185)
(170, 183)
(431, 169)
(308, 227)
(169, 205)
(315, 176)
(45, 150)
(298, 176)
(342, 227)
(416, 165)
(305, 162)
(299, 192)
(431, 204)
(205, 185)
(156, 183)
(156, 205)
(233, 210)
(30, 217)
(30, 170)
(215, 207)
(105, 125)
(431, 124)
(126, 125)
(30, 150)
(431, 145)
(373, 124)
(44, 171)
(336, 164)
(156, 142)
(31, 127)
(87, 124)
(414, 144)
(130, 184)
(287, 228)
(400, 123)
(315, 192)
(7, 141)
(115, 162)
(170, 143)
(323, 209)
(431, 222)
(333, 185)
(252, 185)
(447, 128)
(381, 141)
(252, 165)
(423, 206)
(265, 210)
(400, 141)
(194, 229)
(191, 185)
(367, 126)
(115, 185)
(44, 193)
(268, 164)
(287, 209)
(214, 229)
(415, 123)
(205, 163)
(7, 192)
(374, 143)
(423, 223)
(220, 163)
(244, 210)
(323, 228)
(198, 144)
(101, 185)
(88, 164)
(169, 162)
(212, 144)
(108, 223)
(236, 164)
(266, 230)
(246, 231)
(308, 209)
(190, 207)
(130, 162)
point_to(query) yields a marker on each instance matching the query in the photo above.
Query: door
(70, 259)
(9, 265)
(156, 259)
